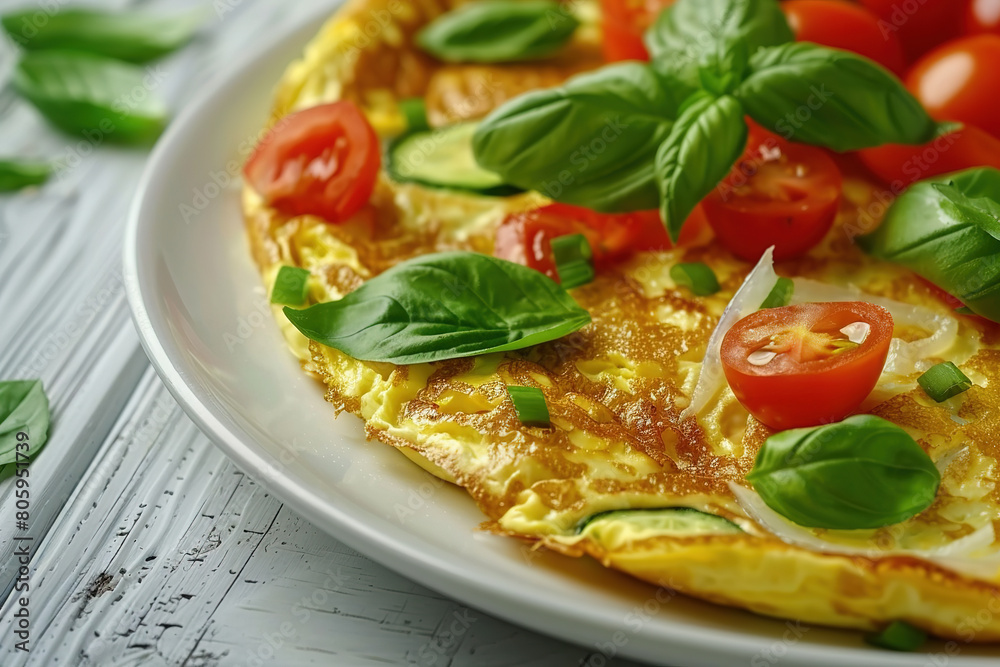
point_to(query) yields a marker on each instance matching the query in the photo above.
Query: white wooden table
(149, 546)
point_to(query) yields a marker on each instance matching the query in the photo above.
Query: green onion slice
(291, 287)
(781, 295)
(697, 277)
(574, 260)
(17, 174)
(943, 381)
(964, 310)
(898, 636)
(415, 112)
(530, 405)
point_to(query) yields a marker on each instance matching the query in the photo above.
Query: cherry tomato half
(322, 161)
(958, 81)
(842, 25)
(982, 16)
(900, 165)
(806, 365)
(625, 22)
(920, 24)
(780, 193)
(526, 237)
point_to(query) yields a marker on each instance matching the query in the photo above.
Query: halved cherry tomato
(625, 22)
(920, 24)
(322, 161)
(526, 237)
(900, 165)
(982, 16)
(842, 25)
(958, 81)
(809, 364)
(780, 193)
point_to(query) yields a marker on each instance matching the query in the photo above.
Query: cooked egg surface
(616, 388)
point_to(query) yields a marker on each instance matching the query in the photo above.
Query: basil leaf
(496, 31)
(125, 35)
(24, 409)
(17, 174)
(592, 142)
(706, 141)
(443, 306)
(831, 98)
(101, 98)
(694, 34)
(864, 472)
(947, 230)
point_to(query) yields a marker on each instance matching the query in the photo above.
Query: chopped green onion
(291, 286)
(530, 405)
(898, 636)
(573, 260)
(944, 381)
(414, 110)
(781, 295)
(15, 174)
(964, 310)
(697, 277)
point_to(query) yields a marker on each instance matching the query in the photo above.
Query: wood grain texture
(152, 548)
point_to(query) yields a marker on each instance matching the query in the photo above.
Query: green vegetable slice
(530, 405)
(943, 381)
(414, 110)
(574, 260)
(668, 521)
(101, 98)
(898, 636)
(24, 418)
(443, 306)
(697, 277)
(291, 287)
(131, 36)
(864, 472)
(17, 174)
(497, 31)
(781, 295)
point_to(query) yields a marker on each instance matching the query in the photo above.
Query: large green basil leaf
(24, 418)
(592, 142)
(864, 472)
(443, 306)
(694, 34)
(495, 31)
(947, 230)
(831, 98)
(17, 174)
(706, 141)
(126, 35)
(101, 98)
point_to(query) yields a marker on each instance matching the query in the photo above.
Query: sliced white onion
(958, 556)
(748, 298)
(903, 355)
(857, 332)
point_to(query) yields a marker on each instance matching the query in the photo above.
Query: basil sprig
(126, 35)
(680, 118)
(864, 472)
(947, 230)
(24, 419)
(495, 31)
(17, 174)
(80, 93)
(443, 306)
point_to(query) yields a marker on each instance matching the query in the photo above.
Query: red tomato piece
(322, 161)
(809, 364)
(920, 24)
(842, 25)
(780, 193)
(959, 80)
(526, 237)
(625, 22)
(982, 16)
(900, 165)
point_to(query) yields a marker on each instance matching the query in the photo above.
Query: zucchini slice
(628, 525)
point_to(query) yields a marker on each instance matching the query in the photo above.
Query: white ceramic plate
(204, 322)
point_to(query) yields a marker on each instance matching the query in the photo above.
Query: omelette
(624, 474)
